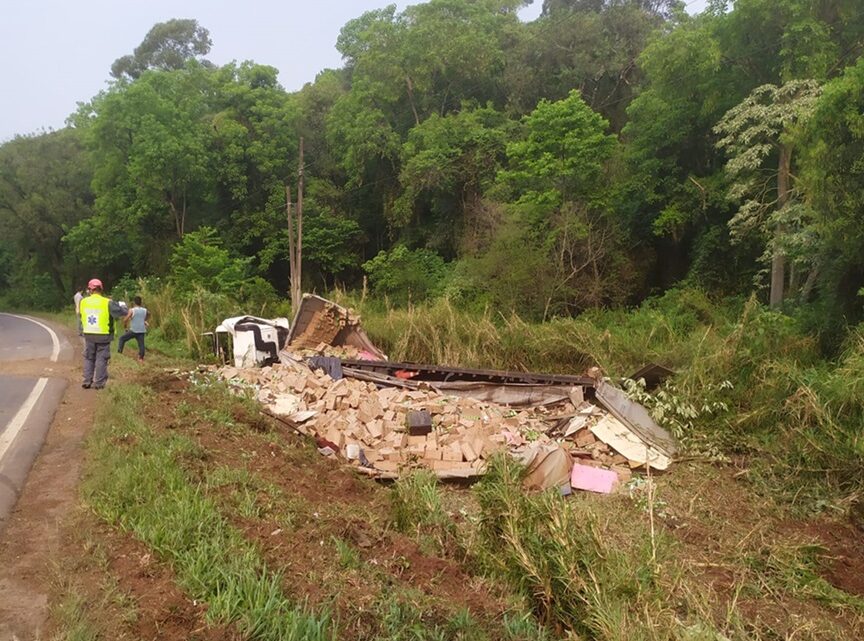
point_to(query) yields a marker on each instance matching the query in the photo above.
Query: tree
(694, 74)
(167, 46)
(44, 193)
(332, 242)
(774, 41)
(150, 143)
(429, 58)
(314, 102)
(591, 45)
(557, 225)
(832, 171)
(671, 200)
(199, 262)
(405, 275)
(448, 163)
(758, 134)
(562, 155)
(661, 8)
(403, 68)
(254, 126)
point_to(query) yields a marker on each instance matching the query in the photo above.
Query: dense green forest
(601, 154)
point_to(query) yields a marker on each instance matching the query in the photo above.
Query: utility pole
(292, 270)
(295, 245)
(296, 297)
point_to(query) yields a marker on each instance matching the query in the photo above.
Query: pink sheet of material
(513, 438)
(593, 479)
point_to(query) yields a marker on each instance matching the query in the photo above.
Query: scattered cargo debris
(639, 423)
(593, 479)
(332, 383)
(419, 423)
(547, 465)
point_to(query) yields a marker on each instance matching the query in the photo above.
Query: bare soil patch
(147, 603)
(734, 541)
(842, 558)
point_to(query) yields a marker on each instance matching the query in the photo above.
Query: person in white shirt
(77, 299)
(136, 322)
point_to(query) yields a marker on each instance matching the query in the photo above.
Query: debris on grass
(386, 418)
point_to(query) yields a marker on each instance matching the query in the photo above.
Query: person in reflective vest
(97, 314)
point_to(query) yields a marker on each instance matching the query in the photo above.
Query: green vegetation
(611, 568)
(165, 478)
(136, 481)
(555, 553)
(750, 381)
(591, 158)
(461, 193)
(252, 521)
(77, 626)
(418, 511)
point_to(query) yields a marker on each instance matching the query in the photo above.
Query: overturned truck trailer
(250, 341)
(320, 324)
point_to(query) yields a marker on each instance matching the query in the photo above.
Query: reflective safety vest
(95, 317)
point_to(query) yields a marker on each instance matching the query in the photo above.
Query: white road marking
(55, 352)
(17, 422)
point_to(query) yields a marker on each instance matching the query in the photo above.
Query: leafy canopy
(167, 46)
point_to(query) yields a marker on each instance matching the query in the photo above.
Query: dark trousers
(129, 336)
(96, 357)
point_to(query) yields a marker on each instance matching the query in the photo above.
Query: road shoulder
(31, 537)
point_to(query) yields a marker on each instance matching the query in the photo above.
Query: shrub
(200, 262)
(404, 275)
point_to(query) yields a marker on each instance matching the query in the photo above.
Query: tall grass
(556, 553)
(817, 412)
(418, 511)
(797, 415)
(589, 568)
(619, 341)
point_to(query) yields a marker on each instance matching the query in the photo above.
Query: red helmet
(94, 283)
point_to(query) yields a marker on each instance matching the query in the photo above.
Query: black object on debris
(330, 364)
(653, 375)
(419, 423)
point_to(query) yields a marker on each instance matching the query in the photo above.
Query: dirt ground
(32, 538)
(746, 551)
(330, 501)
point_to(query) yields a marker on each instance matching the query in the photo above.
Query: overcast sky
(54, 54)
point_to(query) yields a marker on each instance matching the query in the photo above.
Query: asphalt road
(22, 339)
(27, 403)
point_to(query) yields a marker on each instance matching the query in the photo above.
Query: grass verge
(136, 482)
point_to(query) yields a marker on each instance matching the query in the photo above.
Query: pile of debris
(387, 417)
(385, 430)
